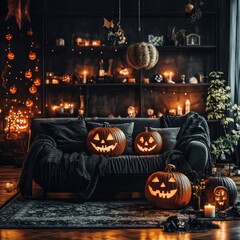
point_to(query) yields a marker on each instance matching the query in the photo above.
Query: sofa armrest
(197, 155)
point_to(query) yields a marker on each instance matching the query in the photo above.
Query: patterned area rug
(21, 213)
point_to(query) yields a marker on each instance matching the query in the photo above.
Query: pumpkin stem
(146, 129)
(170, 168)
(106, 125)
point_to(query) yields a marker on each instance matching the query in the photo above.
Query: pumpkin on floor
(212, 182)
(168, 190)
(106, 140)
(142, 55)
(148, 142)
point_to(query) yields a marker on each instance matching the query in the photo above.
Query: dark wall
(52, 19)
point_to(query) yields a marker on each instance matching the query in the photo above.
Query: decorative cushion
(127, 129)
(169, 137)
(70, 136)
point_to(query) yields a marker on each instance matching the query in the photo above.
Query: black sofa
(125, 173)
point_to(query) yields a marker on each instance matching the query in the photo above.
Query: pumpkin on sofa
(168, 190)
(142, 55)
(213, 182)
(106, 140)
(148, 142)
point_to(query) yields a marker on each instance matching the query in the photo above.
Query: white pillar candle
(187, 106)
(84, 76)
(179, 110)
(209, 211)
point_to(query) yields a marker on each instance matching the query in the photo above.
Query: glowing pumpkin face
(22, 124)
(10, 55)
(37, 81)
(32, 56)
(13, 89)
(148, 143)
(28, 74)
(106, 140)
(9, 36)
(221, 198)
(168, 190)
(29, 103)
(33, 89)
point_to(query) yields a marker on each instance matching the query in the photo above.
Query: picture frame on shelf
(193, 39)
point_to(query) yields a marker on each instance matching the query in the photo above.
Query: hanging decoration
(11, 55)
(9, 36)
(13, 89)
(193, 10)
(32, 56)
(142, 55)
(20, 10)
(115, 35)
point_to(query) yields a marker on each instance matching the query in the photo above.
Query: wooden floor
(228, 230)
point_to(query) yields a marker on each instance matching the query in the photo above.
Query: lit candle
(170, 76)
(209, 211)
(179, 110)
(172, 111)
(187, 106)
(84, 76)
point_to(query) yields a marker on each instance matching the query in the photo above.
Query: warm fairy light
(16, 122)
(124, 71)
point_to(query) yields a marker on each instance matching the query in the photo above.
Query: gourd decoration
(106, 140)
(148, 142)
(142, 55)
(167, 189)
(212, 182)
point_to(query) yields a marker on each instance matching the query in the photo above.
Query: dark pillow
(70, 136)
(127, 129)
(169, 136)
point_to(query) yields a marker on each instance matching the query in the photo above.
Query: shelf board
(92, 85)
(170, 85)
(160, 48)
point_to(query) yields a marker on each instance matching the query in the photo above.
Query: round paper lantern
(142, 55)
(28, 74)
(106, 140)
(212, 182)
(10, 55)
(13, 89)
(148, 142)
(37, 82)
(9, 36)
(32, 56)
(33, 89)
(168, 190)
(29, 103)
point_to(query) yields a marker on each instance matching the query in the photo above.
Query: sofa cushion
(127, 129)
(70, 136)
(169, 137)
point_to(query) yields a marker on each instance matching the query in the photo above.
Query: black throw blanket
(77, 169)
(193, 127)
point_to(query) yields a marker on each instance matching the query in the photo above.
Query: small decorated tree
(220, 107)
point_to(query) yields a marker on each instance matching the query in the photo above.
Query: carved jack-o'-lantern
(9, 36)
(28, 74)
(10, 55)
(168, 190)
(148, 142)
(212, 182)
(106, 140)
(29, 103)
(32, 56)
(13, 89)
(33, 89)
(221, 198)
(37, 82)
(22, 123)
